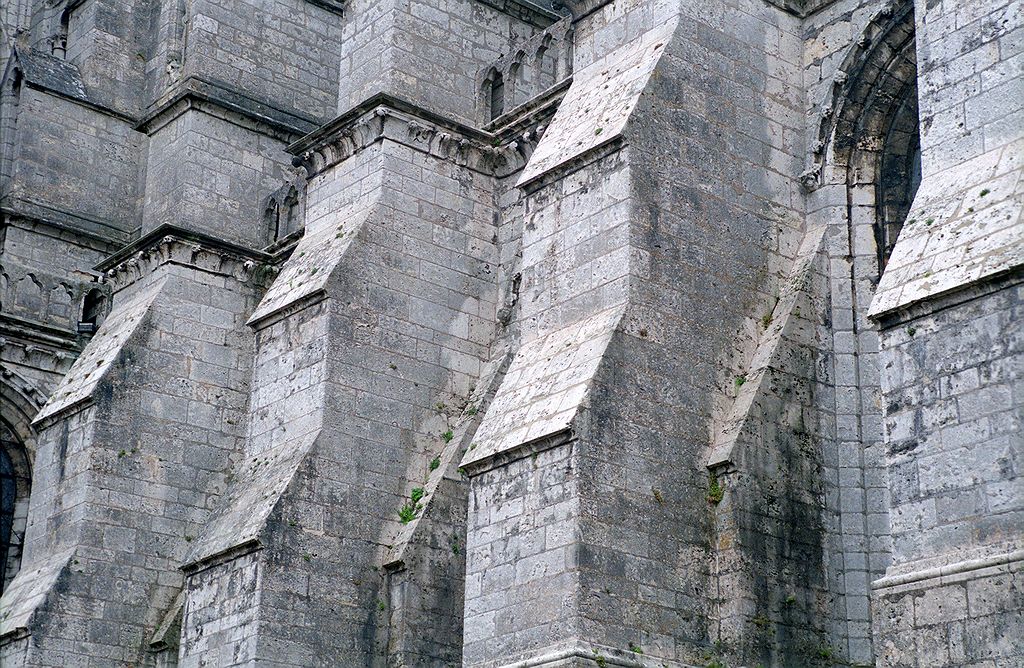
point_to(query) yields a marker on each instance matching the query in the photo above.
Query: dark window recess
(899, 175)
(8, 499)
(93, 311)
(272, 218)
(59, 43)
(283, 214)
(292, 217)
(497, 95)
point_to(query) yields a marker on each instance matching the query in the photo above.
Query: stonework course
(502, 333)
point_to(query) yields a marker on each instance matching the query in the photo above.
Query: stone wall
(284, 53)
(211, 170)
(946, 305)
(369, 341)
(105, 40)
(574, 348)
(953, 424)
(465, 38)
(95, 178)
(132, 452)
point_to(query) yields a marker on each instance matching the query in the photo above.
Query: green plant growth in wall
(715, 490)
(407, 513)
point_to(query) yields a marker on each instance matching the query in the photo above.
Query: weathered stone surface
(635, 333)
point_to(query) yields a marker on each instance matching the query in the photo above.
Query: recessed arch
(94, 310)
(888, 33)
(15, 488)
(19, 403)
(272, 219)
(877, 138)
(494, 93)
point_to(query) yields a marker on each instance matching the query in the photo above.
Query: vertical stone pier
(645, 466)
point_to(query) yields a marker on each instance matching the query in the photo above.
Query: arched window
(272, 219)
(496, 94)
(519, 79)
(292, 215)
(899, 175)
(870, 135)
(8, 499)
(14, 486)
(283, 214)
(59, 44)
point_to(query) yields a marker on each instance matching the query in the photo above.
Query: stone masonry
(502, 333)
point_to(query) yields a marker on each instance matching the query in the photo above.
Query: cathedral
(512, 333)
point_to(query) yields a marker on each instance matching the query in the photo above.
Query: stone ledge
(220, 558)
(39, 334)
(511, 124)
(950, 298)
(28, 592)
(60, 78)
(217, 99)
(546, 388)
(589, 654)
(71, 226)
(239, 524)
(521, 451)
(383, 116)
(90, 369)
(597, 107)
(955, 572)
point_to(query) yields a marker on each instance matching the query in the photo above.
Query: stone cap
(50, 73)
(966, 227)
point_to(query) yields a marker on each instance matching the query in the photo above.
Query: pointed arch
(272, 219)
(59, 41)
(19, 403)
(494, 94)
(861, 186)
(291, 212)
(876, 138)
(94, 310)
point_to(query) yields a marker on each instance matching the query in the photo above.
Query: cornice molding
(526, 11)
(801, 8)
(103, 237)
(168, 244)
(41, 346)
(33, 396)
(386, 117)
